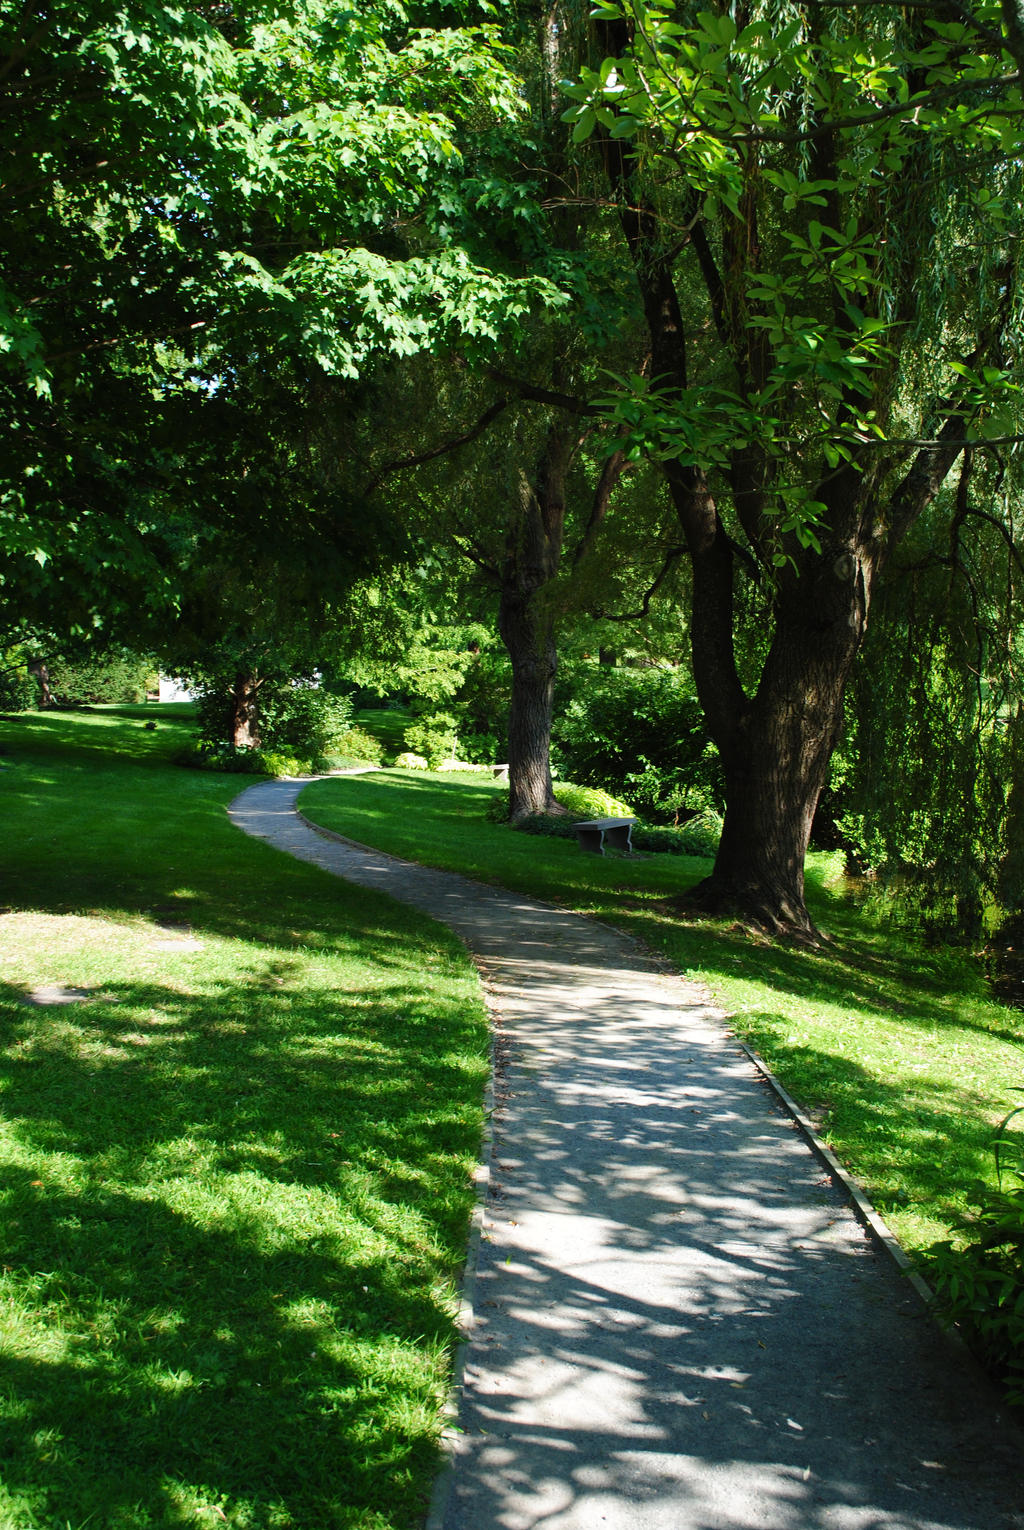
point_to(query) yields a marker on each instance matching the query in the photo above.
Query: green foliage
(303, 718)
(980, 1283)
(201, 755)
(926, 790)
(113, 676)
(295, 718)
(723, 110)
(18, 690)
(581, 802)
(317, 226)
(410, 761)
(638, 733)
(590, 801)
(481, 748)
(354, 743)
(434, 736)
(699, 835)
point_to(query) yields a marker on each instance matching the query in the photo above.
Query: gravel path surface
(679, 1324)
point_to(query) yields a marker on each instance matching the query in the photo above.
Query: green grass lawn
(897, 1052)
(235, 1178)
(387, 725)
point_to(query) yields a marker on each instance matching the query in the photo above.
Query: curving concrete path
(679, 1324)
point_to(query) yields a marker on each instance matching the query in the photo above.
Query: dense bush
(640, 734)
(111, 677)
(581, 802)
(481, 748)
(411, 761)
(981, 1287)
(699, 835)
(356, 744)
(18, 690)
(435, 737)
(298, 719)
(303, 720)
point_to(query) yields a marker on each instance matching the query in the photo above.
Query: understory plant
(640, 734)
(980, 1286)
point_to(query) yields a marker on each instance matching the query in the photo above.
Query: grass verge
(897, 1053)
(240, 1106)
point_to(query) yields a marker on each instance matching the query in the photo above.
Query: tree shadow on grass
(232, 1223)
(848, 972)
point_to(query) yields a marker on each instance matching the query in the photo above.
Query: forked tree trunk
(775, 745)
(244, 712)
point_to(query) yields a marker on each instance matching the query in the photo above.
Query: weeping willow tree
(820, 208)
(934, 765)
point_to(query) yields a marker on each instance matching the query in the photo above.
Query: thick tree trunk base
(768, 910)
(551, 809)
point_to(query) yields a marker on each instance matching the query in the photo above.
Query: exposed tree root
(768, 913)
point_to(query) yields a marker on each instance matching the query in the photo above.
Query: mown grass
(896, 1051)
(235, 1177)
(387, 724)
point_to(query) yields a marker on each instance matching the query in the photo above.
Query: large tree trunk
(530, 639)
(776, 745)
(244, 712)
(526, 621)
(776, 761)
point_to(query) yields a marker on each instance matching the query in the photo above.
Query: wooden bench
(617, 833)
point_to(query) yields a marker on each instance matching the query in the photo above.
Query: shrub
(18, 690)
(590, 801)
(247, 762)
(203, 756)
(480, 748)
(111, 677)
(410, 761)
(980, 1287)
(640, 734)
(297, 719)
(302, 719)
(275, 762)
(435, 736)
(698, 836)
(356, 744)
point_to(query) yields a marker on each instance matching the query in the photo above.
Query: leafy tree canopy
(205, 198)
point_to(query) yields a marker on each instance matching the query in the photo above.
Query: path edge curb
(862, 1207)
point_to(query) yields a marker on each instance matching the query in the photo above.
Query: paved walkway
(679, 1323)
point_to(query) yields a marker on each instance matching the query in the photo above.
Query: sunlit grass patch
(240, 1104)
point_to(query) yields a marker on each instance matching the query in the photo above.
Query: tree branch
(671, 559)
(603, 491)
(528, 390)
(417, 460)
